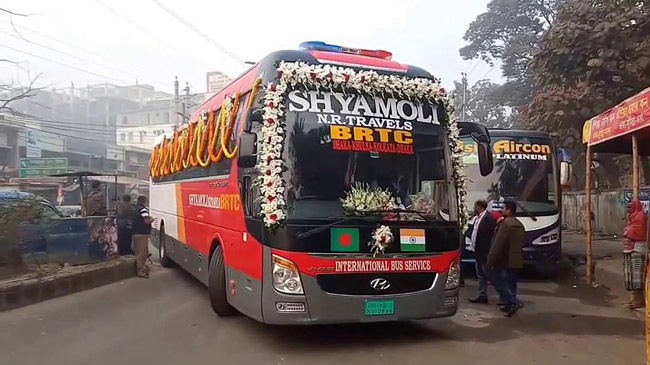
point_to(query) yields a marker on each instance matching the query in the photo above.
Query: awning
(629, 116)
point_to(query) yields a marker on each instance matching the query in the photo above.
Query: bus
(531, 171)
(321, 186)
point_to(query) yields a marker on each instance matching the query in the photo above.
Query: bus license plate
(380, 307)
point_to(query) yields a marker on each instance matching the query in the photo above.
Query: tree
(10, 91)
(595, 55)
(508, 33)
(483, 104)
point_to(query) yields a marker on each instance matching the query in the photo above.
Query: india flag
(412, 240)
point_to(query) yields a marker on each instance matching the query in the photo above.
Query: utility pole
(176, 101)
(186, 100)
(463, 106)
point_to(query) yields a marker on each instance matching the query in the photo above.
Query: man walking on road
(141, 223)
(481, 238)
(505, 258)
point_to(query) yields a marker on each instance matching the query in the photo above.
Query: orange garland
(187, 148)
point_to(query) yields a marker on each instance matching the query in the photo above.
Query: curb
(19, 294)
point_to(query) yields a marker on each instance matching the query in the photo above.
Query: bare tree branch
(7, 98)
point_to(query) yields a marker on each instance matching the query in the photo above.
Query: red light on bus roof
(322, 46)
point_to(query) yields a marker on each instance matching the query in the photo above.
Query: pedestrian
(125, 226)
(141, 223)
(505, 258)
(634, 254)
(95, 202)
(482, 232)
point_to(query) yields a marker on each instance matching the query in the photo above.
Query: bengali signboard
(40, 167)
(628, 116)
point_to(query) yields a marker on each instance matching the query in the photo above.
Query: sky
(124, 41)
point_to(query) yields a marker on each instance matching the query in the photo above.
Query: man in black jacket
(481, 238)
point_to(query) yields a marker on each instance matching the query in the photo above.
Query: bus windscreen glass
(334, 140)
(523, 171)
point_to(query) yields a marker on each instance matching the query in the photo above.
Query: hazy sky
(154, 46)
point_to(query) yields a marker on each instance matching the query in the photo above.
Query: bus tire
(165, 260)
(217, 285)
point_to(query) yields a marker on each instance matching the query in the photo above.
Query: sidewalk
(607, 257)
(29, 289)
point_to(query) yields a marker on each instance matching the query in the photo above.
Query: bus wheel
(165, 260)
(217, 285)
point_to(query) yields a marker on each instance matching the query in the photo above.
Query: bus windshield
(523, 171)
(334, 140)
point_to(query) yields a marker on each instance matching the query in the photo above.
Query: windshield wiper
(316, 230)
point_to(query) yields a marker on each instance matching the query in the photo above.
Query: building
(216, 81)
(142, 136)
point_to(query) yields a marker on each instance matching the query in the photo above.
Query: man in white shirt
(481, 238)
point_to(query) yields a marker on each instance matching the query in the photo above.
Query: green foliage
(14, 212)
(508, 33)
(595, 55)
(484, 104)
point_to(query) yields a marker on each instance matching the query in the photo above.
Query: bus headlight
(286, 278)
(453, 276)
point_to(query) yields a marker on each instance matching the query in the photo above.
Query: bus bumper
(543, 255)
(320, 307)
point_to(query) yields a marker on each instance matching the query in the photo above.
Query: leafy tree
(484, 104)
(508, 33)
(595, 55)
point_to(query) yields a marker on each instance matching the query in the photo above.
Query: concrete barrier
(18, 293)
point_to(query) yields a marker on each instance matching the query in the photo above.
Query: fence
(607, 206)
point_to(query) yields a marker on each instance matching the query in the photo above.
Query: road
(167, 320)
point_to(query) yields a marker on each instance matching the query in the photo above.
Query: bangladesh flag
(344, 240)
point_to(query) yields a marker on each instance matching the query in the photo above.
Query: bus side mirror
(566, 168)
(481, 136)
(565, 174)
(254, 115)
(247, 149)
(485, 162)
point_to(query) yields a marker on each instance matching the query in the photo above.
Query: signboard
(216, 81)
(37, 167)
(33, 143)
(644, 198)
(628, 116)
(360, 122)
(507, 149)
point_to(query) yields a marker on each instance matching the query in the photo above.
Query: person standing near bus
(141, 222)
(95, 201)
(505, 258)
(635, 250)
(481, 237)
(124, 226)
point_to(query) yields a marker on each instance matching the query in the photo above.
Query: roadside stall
(92, 237)
(622, 129)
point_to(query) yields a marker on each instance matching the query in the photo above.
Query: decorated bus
(531, 171)
(324, 185)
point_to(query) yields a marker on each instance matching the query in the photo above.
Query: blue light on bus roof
(322, 46)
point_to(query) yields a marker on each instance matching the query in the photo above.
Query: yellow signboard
(586, 130)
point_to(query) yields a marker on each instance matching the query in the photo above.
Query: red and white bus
(270, 195)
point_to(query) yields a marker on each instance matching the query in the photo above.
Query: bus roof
(518, 133)
(266, 68)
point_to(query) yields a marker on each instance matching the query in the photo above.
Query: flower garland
(292, 74)
(201, 143)
(382, 237)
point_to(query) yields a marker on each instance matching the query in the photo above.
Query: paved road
(167, 320)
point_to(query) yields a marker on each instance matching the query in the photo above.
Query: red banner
(628, 116)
